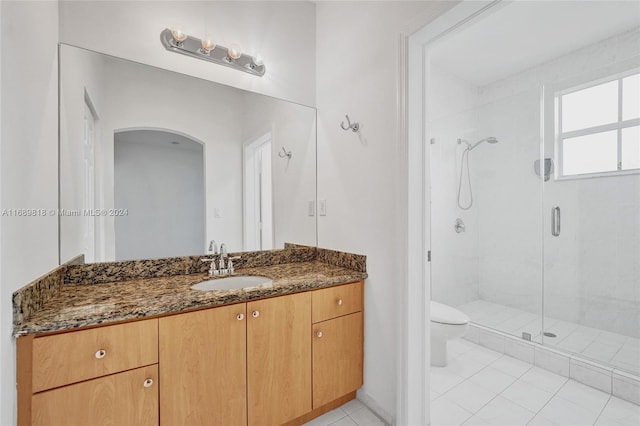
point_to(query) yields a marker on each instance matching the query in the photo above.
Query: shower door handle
(555, 221)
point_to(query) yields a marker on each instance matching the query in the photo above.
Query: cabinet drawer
(123, 399)
(72, 357)
(334, 302)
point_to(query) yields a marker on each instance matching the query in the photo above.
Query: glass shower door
(592, 215)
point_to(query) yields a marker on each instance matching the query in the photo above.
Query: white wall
(80, 72)
(143, 98)
(162, 187)
(294, 180)
(284, 32)
(28, 159)
(357, 74)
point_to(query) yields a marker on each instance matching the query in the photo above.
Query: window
(598, 127)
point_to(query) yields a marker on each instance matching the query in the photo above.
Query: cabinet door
(203, 367)
(129, 398)
(279, 359)
(337, 358)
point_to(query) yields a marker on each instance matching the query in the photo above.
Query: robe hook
(284, 154)
(353, 126)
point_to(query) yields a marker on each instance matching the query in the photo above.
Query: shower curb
(616, 382)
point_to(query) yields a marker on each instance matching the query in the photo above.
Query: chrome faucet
(223, 254)
(221, 270)
(212, 268)
(213, 247)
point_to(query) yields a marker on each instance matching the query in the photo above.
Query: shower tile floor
(483, 387)
(614, 349)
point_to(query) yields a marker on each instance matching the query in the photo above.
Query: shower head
(490, 139)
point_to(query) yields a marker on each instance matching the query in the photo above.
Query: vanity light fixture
(234, 52)
(175, 40)
(207, 44)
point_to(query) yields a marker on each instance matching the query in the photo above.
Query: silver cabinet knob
(101, 354)
(240, 317)
(148, 383)
(339, 302)
(319, 334)
(255, 314)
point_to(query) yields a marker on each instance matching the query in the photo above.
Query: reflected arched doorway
(158, 194)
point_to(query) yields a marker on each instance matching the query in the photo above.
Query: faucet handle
(207, 260)
(230, 266)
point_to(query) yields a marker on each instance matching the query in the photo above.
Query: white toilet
(447, 323)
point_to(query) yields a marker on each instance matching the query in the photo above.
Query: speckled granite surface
(357, 262)
(79, 305)
(31, 298)
(353, 261)
(96, 273)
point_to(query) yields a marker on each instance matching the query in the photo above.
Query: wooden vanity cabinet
(99, 376)
(338, 342)
(279, 359)
(274, 361)
(236, 365)
(203, 367)
(128, 398)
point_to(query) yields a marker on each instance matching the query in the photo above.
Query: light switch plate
(322, 207)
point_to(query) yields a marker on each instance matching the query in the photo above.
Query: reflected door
(258, 195)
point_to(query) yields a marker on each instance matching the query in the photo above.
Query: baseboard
(375, 408)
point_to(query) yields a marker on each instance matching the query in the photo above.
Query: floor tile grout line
(488, 402)
(603, 408)
(552, 396)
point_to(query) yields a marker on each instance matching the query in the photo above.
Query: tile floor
(483, 387)
(353, 413)
(618, 350)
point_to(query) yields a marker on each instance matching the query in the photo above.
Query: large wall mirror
(156, 164)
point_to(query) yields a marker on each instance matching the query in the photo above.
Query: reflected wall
(124, 95)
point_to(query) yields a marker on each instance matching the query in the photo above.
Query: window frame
(617, 126)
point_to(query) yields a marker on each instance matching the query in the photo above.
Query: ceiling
(515, 36)
(158, 139)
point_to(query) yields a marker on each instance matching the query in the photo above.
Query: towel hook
(284, 154)
(353, 126)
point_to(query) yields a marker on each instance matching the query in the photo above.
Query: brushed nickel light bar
(205, 49)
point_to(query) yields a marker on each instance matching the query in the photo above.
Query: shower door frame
(413, 386)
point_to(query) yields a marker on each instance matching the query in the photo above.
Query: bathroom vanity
(148, 351)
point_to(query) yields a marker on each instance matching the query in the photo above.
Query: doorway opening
(159, 194)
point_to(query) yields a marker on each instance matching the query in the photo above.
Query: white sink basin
(234, 282)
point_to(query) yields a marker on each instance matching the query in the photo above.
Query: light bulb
(258, 60)
(207, 44)
(178, 35)
(234, 51)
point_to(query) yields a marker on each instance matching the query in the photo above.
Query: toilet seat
(444, 314)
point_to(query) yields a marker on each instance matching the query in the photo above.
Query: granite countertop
(80, 305)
